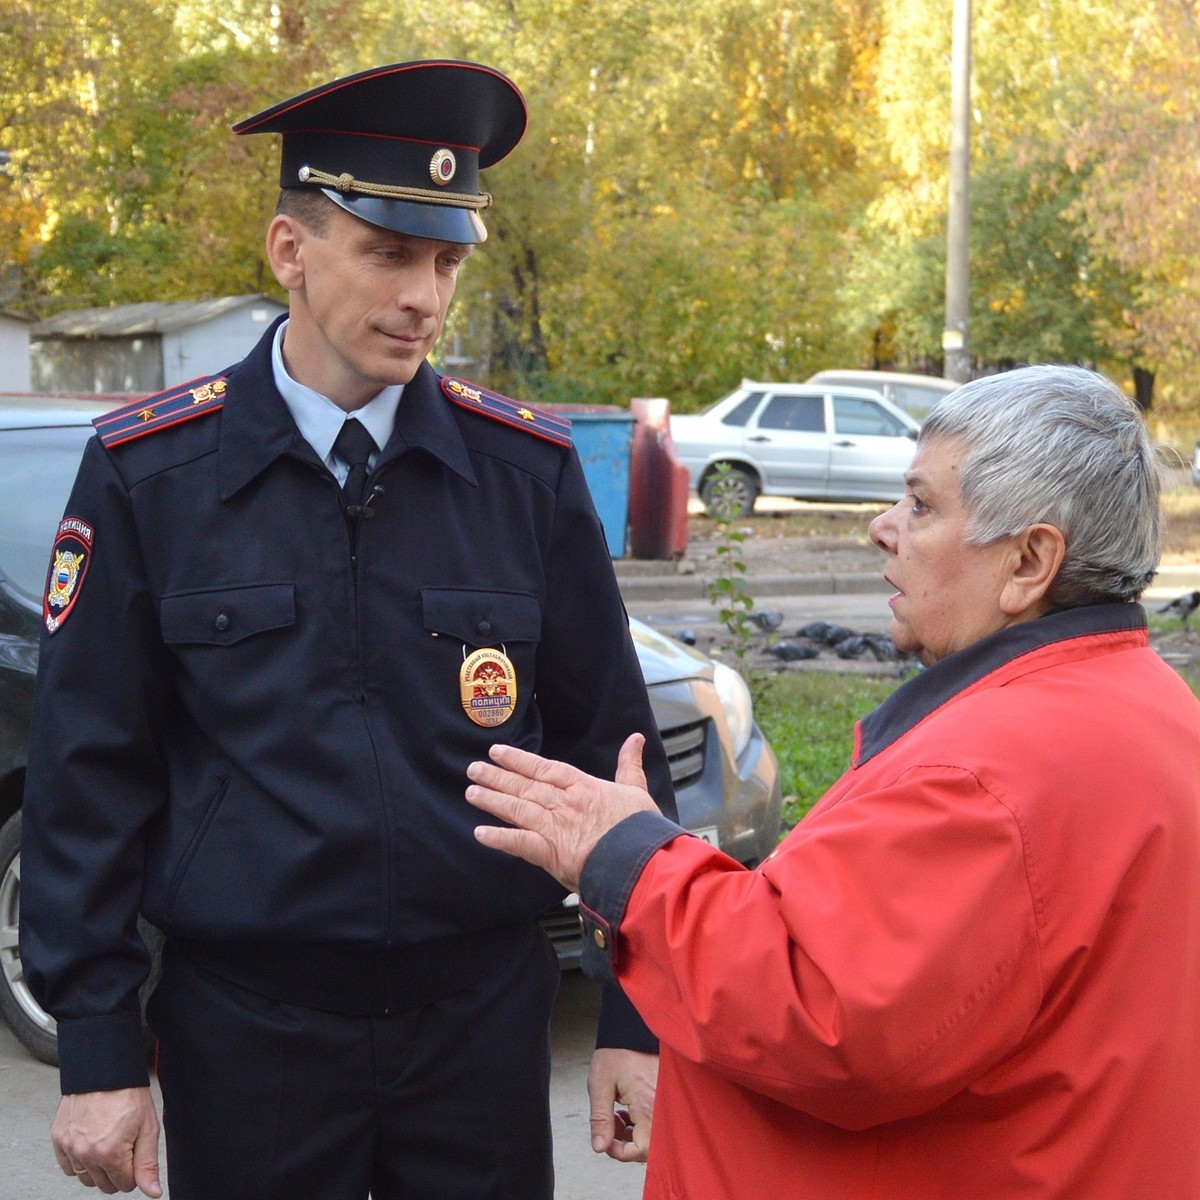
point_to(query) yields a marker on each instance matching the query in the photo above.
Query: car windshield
(37, 469)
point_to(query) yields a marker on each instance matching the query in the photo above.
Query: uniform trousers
(264, 1100)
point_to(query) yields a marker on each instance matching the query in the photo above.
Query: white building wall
(211, 347)
(14, 354)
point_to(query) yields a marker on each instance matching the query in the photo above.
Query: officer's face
(367, 304)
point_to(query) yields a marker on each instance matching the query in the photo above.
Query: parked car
(725, 773)
(806, 441)
(916, 394)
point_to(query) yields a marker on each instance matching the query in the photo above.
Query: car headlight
(735, 700)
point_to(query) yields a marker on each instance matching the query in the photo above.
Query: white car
(806, 441)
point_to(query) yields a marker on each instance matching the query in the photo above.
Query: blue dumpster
(603, 435)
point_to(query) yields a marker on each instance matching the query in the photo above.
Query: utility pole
(955, 342)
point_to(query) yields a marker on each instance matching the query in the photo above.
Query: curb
(694, 587)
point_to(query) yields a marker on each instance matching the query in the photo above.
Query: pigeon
(767, 620)
(1183, 606)
(792, 651)
(882, 647)
(686, 636)
(825, 633)
(815, 630)
(851, 647)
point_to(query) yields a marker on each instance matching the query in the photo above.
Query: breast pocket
(478, 618)
(228, 615)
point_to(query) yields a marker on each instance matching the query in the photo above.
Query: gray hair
(1064, 446)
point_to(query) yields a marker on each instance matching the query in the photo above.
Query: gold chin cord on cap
(387, 191)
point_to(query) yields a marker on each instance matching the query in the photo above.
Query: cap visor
(433, 221)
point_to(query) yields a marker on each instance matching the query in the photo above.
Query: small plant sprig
(727, 591)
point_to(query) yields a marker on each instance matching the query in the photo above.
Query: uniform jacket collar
(908, 706)
(256, 427)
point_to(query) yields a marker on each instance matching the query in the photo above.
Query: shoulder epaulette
(162, 410)
(541, 424)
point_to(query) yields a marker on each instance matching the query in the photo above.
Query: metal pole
(955, 342)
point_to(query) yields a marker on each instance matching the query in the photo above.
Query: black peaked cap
(401, 146)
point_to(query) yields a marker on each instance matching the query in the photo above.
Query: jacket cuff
(609, 876)
(102, 1054)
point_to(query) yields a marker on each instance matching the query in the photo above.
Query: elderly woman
(974, 969)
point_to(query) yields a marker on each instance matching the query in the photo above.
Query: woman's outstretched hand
(556, 813)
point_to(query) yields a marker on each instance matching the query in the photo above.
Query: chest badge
(488, 686)
(71, 557)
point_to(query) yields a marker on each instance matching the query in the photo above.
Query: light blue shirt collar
(320, 420)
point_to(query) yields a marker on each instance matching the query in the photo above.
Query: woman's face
(949, 593)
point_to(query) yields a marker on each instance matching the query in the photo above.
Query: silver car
(806, 441)
(726, 776)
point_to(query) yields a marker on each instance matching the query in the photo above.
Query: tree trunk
(1143, 388)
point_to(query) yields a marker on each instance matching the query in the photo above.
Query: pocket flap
(479, 618)
(223, 616)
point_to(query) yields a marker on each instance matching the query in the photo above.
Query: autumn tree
(1137, 147)
(1039, 288)
(724, 189)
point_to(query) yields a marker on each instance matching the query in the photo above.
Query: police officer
(324, 581)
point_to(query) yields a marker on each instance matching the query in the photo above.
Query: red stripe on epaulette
(161, 410)
(509, 412)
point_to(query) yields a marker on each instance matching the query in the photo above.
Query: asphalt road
(29, 1096)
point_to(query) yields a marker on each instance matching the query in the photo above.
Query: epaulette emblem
(161, 410)
(470, 396)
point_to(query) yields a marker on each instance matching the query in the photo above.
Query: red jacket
(973, 971)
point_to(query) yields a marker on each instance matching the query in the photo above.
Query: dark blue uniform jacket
(250, 725)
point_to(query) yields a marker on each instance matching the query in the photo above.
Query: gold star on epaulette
(147, 414)
(549, 426)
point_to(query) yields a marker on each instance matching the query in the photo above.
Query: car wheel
(34, 1029)
(729, 495)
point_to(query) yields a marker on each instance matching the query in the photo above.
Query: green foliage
(731, 188)
(808, 717)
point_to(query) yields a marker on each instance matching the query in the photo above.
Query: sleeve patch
(500, 408)
(69, 562)
(162, 410)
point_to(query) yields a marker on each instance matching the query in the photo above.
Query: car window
(37, 469)
(800, 414)
(915, 397)
(853, 415)
(741, 413)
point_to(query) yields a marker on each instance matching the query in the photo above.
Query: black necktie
(354, 445)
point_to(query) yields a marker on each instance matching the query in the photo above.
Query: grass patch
(808, 717)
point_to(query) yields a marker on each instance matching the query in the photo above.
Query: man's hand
(109, 1140)
(628, 1078)
(559, 812)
